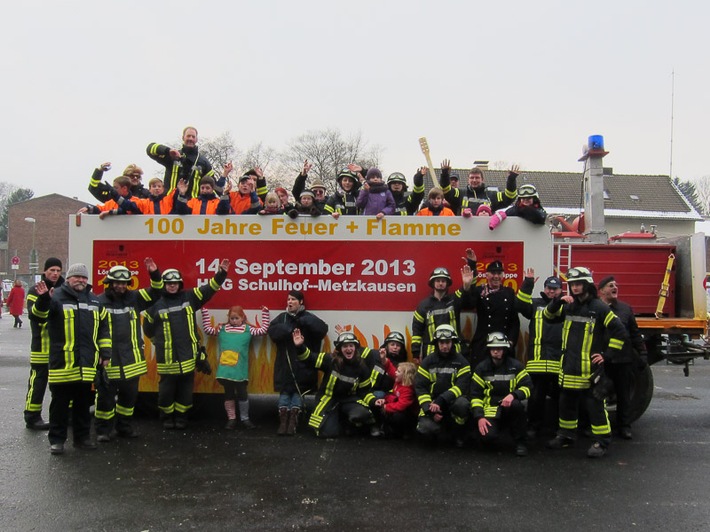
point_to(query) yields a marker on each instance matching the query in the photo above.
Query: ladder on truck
(563, 259)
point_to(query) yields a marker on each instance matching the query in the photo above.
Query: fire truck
(368, 275)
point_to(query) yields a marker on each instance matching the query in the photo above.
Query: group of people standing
(191, 186)
(446, 387)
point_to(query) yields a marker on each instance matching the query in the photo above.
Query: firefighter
(467, 201)
(406, 203)
(544, 349)
(591, 333)
(343, 201)
(620, 368)
(170, 324)
(187, 163)
(79, 341)
(498, 386)
(344, 397)
(495, 307)
(39, 349)
(122, 307)
(442, 383)
(437, 309)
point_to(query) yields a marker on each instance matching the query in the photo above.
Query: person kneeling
(344, 397)
(499, 385)
(442, 380)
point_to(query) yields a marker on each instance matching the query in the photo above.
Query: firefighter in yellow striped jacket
(442, 384)
(122, 307)
(186, 163)
(79, 341)
(591, 333)
(344, 398)
(170, 323)
(499, 386)
(544, 349)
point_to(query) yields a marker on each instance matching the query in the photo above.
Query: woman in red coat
(16, 302)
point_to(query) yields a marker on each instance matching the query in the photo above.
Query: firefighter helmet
(346, 173)
(397, 177)
(445, 332)
(440, 273)
(579, 274)
(527, 191)
(497, 339)
(395, 336)
(346, 338)
(172, 276)
(118, 273)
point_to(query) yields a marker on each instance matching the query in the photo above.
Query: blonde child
(272, 204)
(233, 370)
(398, 409)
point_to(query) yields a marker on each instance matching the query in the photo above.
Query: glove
(201, 363)
(203, 367)
(496, 219)
(467, 213)
(105, 188)
(602, 386)
(293, 214)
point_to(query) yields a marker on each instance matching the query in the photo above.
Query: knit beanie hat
(207, 180)
(78, 270)
(307, 192)
(483, 209)
(373, 172)
(51, 262)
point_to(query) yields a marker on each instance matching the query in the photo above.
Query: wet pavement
(211, 479)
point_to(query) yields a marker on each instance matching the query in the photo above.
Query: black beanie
(298, 295)
(51, 262)
(606, 281)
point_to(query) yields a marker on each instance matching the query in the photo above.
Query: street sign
(15, 260)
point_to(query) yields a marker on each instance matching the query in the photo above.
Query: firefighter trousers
(115, 401)
(570, 402)
(349, 413)
(512, 417)
(36, 386)
(544, 385)
(622, 377)
(175, 394)
(78, 395)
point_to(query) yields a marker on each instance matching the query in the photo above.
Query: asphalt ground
(207, 478)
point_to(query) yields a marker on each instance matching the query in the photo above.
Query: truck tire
(641, 392)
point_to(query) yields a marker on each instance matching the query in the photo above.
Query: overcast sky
(515, 81)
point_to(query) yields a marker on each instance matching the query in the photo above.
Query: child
(396, 352)
(306, 205)
(375, 198)
(435, 205)
(233, 370)
(398, 409)
(526, 206)
(272, 204)
(343, 202)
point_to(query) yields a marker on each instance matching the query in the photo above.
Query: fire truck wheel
(641, 392)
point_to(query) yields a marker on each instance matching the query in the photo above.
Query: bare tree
(328, 151)
(702, 193)
(220, 150)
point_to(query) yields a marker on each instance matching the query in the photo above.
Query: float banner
(332, 274)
